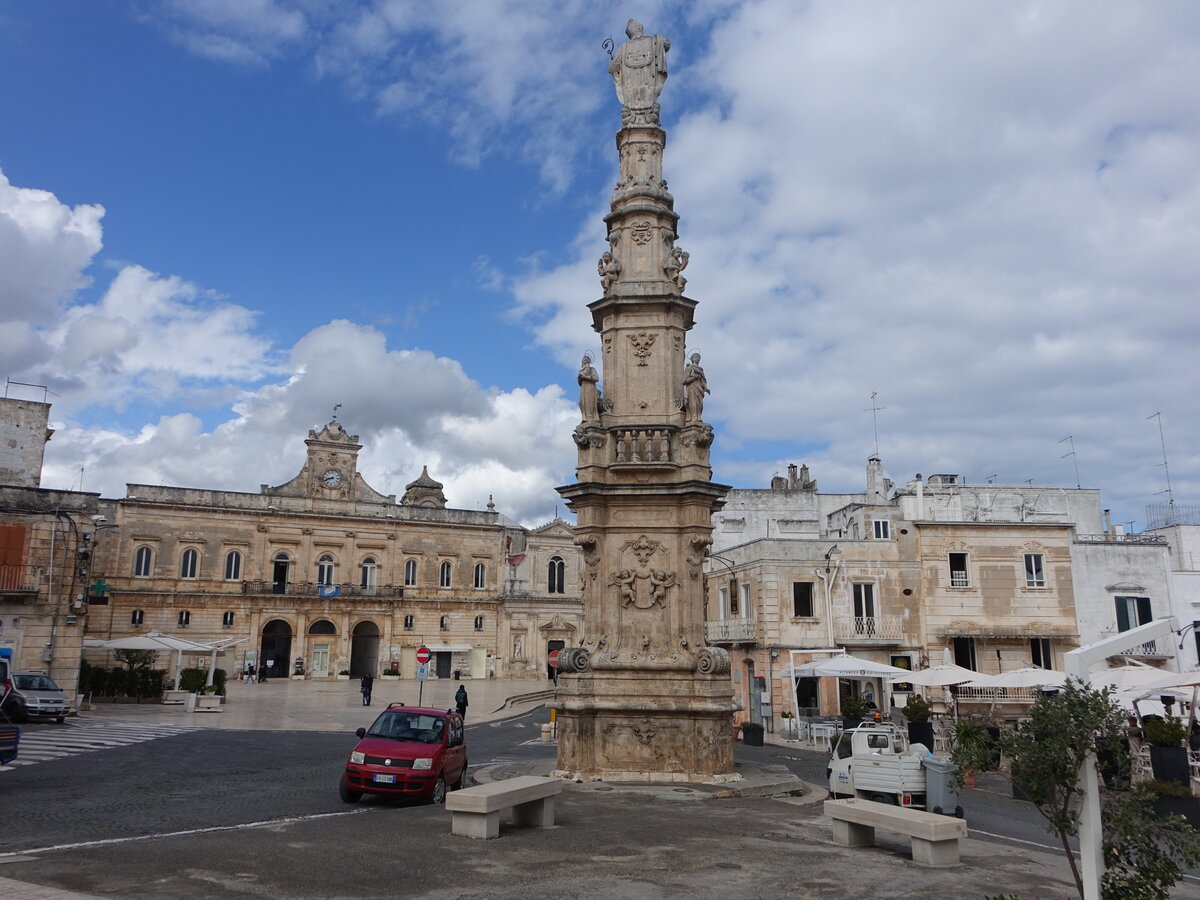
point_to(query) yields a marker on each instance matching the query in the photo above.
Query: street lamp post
(827, 581)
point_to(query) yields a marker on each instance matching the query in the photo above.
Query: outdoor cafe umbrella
(155, 641)
(1029, 677)
(844, 666)
(939, 676)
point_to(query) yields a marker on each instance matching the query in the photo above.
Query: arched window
(185, 618)
(368, 574)
(444, 623)
(187, 563)
(227, 619)
(444, 574)
(410, 572)
(480, 575)
(325, 569)
(233, 566)
(479, 623)
(556, 575)
(143, 562)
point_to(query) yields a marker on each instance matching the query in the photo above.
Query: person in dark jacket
(460, 700)
(368, 681)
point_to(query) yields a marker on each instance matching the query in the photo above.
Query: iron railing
(731, 631)
(311, 589)
(870, 628)
(20, 579)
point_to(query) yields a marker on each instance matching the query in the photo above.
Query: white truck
(876, 762)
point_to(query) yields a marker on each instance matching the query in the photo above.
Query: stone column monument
(642, 697)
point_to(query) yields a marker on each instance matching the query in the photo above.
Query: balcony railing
(1148, 650)
(20, 579)
(887, 629)
(311, 589)
(996, 694)
(731, 631)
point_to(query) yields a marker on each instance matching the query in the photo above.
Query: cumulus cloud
(45, 248)
(987, 214)
(409, 408)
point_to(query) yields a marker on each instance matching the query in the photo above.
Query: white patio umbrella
(845, 666)
(1030, 677)
(155, 640)
(1124, 678)
(939, 676)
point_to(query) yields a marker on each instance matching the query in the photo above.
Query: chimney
(920, 498)
(791, 476)
(1108, 521)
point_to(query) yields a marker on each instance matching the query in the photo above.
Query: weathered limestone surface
(640, 695)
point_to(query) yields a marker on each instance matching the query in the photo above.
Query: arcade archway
(364, 650)
(275, 660)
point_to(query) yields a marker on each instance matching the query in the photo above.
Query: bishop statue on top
(639, 69)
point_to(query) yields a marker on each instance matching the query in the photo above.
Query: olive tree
(1046, 753)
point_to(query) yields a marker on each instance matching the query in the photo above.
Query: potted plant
(1168, 756)
(1170, 798)
(787, 725)
(343, 675)
(854, 710)
(916, 713)
(752, 734)
(970, 748)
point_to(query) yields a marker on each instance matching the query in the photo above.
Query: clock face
(331, 478)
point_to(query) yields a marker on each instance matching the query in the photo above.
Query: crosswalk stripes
(70, 739)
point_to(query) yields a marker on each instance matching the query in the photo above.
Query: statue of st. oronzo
(639, 67)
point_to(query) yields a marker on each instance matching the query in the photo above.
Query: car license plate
(386, 779)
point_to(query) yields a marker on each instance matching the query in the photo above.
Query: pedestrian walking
(368, 681)
(250, 673)
(460, 700)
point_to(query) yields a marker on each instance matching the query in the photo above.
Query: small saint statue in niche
(674, 264)
(589, 390)
(609, 268)
(695, 386)
(639, 69)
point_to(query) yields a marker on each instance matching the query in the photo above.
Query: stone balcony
(731, 631)
(864, 630)
(310, 589)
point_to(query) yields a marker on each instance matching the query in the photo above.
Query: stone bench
(934, 837)
(476, 810)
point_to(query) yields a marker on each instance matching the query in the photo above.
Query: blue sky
(220, 217)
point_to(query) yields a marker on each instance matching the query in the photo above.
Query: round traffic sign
(553, 659)
(423, 654)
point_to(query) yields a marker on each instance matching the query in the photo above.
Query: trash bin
(941, 793)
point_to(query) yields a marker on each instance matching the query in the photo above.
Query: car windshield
(420, 728)
(35, 682)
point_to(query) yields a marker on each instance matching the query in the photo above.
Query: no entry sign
(552, 658)
(423, 654)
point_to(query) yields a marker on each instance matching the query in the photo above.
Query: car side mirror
(361, 733)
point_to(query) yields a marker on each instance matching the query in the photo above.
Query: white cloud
(243, 32)
(409, 407)
(987, 214)
(45, 247)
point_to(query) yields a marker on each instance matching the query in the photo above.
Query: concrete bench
(475, 811)
(934, 837)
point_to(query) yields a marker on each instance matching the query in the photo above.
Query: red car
(409, 751)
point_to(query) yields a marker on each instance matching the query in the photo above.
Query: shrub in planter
(343, 671)
(970, 748)
(920, 729)
(752, 734)
(1168, 756)
(192, 680)
(854, 709)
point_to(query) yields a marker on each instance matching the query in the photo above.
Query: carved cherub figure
(674, 264)
(659, 582)
(624, 580)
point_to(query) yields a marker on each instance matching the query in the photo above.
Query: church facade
(325, 576)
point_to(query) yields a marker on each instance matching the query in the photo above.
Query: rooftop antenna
(1171, 520)
(991, 479)
(1074, 459)
(874, 411)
